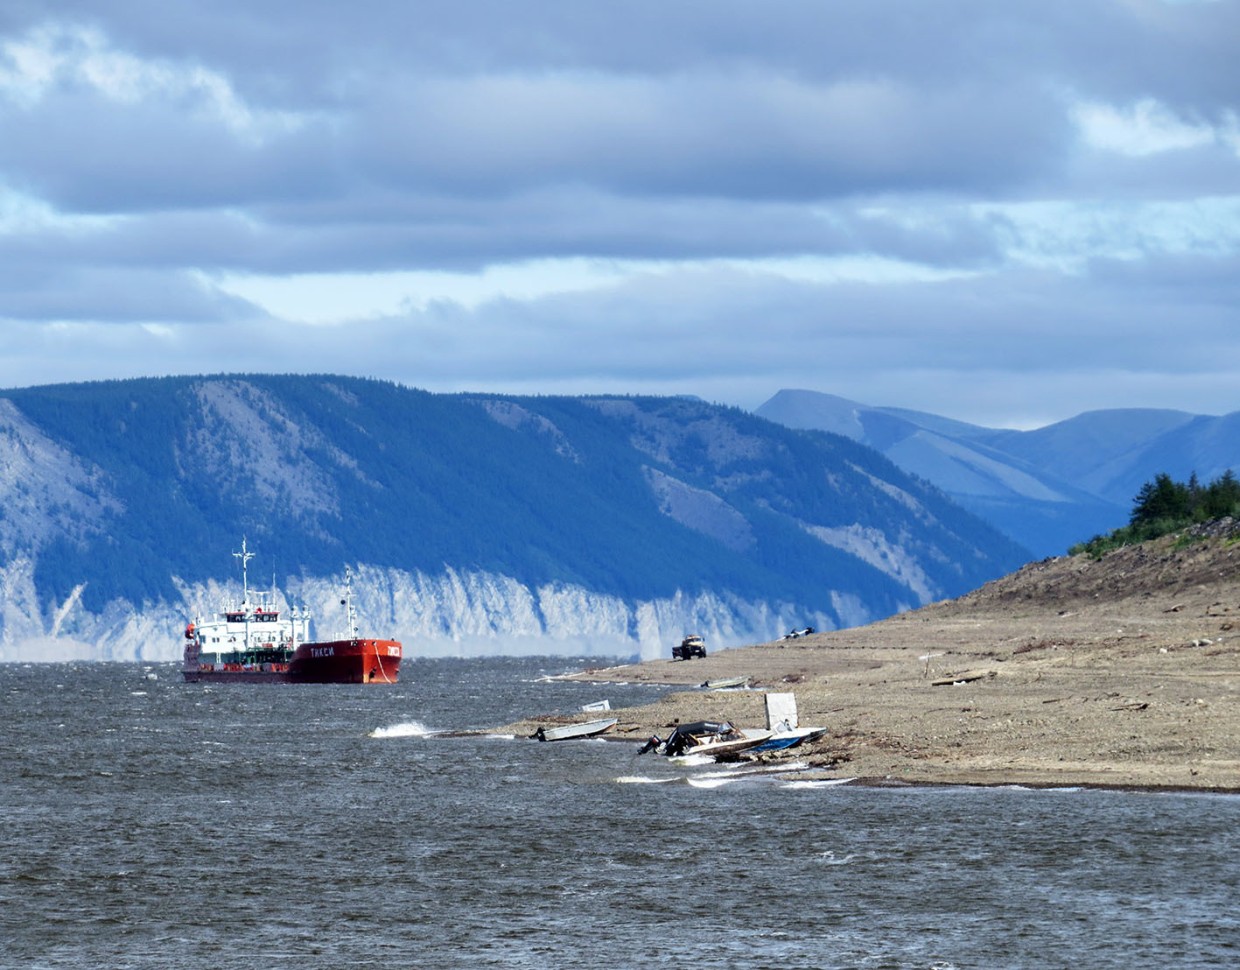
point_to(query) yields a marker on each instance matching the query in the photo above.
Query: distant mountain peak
(1048, 488)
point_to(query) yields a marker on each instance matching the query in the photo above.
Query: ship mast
(347, 603)
(245, 556)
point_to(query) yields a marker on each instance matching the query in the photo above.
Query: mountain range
(1048, 488)
(471, 523)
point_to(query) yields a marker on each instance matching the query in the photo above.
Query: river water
(149, 823)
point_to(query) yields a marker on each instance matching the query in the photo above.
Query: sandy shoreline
(1123, 673)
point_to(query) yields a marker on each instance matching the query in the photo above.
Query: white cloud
(1069, 235)
(57, 55)
(326, 298)
(1148, 127)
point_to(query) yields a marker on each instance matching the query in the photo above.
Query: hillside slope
(475, 523)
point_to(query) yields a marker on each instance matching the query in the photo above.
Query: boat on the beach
(711, 738)
(586, 729)
(725, 683)
(782, 740)
(720, 739)
(254, 641)
(744, 740)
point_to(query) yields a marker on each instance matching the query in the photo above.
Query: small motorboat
(788, 739)
(566, 732)
(743, 740)
(710, 738)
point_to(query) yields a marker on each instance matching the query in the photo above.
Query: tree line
(1163, 505)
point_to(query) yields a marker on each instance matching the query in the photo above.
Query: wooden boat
(566, 732)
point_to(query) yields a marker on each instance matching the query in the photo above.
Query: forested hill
(478, 523)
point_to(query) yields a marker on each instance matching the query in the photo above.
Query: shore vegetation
(1164, 506)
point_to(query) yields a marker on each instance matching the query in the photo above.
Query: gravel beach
(1117, 672)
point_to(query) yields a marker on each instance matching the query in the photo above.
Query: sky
(1004, 212)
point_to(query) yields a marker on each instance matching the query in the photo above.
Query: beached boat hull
(566, 732)
(726, 745)
(729, 683)
(788, 739)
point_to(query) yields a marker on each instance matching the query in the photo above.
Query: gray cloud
(904, 146)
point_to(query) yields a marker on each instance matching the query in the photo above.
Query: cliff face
(473, 524)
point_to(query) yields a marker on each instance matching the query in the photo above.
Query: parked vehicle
(690, 646)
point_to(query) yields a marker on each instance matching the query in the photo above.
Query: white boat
(586, 729)
(711, 738)
(722, 745)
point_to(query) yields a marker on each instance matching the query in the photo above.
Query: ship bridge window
(236, 617)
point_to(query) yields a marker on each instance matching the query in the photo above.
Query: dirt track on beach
(1119, 672)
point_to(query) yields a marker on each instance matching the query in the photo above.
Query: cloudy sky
(1006, 212)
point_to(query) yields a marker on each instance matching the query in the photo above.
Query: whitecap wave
(408, 729)
(750, 771)
(828, 783)
(692, 759)
(642, 780)
(709, 782)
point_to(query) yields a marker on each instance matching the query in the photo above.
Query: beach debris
(596, 706)
(964, 677)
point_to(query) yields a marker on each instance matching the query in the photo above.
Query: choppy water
(149, 823)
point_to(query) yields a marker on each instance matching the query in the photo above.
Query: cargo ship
(253, 641)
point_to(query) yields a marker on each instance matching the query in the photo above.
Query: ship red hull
(362, 661)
